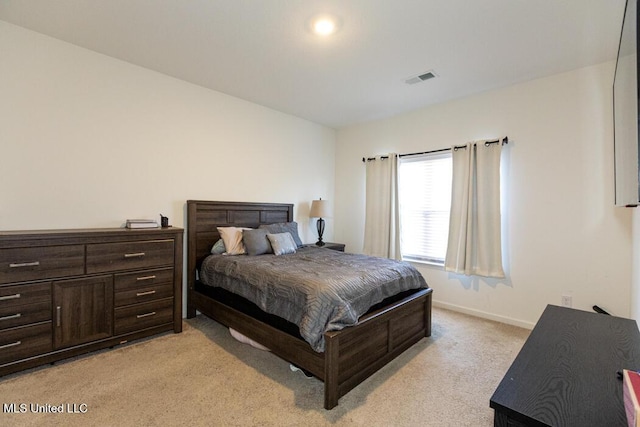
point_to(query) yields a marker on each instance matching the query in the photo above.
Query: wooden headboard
(204, 216)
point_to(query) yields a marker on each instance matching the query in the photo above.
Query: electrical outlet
(567, 300)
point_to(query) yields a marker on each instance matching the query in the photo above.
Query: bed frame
(351, 355)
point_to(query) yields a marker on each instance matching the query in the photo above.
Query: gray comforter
(318, 289)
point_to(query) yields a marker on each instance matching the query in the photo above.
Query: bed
(349, 355)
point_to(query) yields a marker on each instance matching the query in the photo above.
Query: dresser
(68, 292)
(566, 372)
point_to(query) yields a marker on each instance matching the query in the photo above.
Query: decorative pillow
(246, 340)
(256, 242)
(218, 248)
(282, 243)
(284, 227)
(232, 238)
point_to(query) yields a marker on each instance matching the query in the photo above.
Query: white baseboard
(484, 314)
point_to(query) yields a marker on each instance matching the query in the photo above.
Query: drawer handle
(139, 279)
(24, 264)
(13, 316)
(141, 294)
(13, 344)
(140, 316)
(134, 255)
(8, 297)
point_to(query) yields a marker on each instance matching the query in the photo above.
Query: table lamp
(319, 209)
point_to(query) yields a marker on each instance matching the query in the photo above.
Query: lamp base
(320, 227)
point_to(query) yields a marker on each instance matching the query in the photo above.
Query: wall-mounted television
(625, 111)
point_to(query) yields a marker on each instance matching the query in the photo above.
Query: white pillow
(232, 238)
(246, 340)
(282, 243)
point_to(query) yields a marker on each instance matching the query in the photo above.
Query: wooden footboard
(355, 353)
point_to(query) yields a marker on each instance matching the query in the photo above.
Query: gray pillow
(256, 242)
(284, 227)
(218, 248)
(282, 243)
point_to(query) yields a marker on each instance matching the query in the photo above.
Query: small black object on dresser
(68, 292)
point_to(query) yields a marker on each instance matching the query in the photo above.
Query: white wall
(562, 233)
(88, 141)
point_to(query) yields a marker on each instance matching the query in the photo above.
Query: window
(424, 183)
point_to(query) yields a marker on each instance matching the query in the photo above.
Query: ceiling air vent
(422, 77)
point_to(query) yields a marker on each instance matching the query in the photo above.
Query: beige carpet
(204, 377)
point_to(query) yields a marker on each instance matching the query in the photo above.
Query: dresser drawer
(24, 294)
(144, 294)
(142, 279)
(146, 315)
(106, 257)
(24, 264)
(26, 341)
(143, 286)
(24, 304)
(18, 315)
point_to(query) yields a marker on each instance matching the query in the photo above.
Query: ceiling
(262, 50)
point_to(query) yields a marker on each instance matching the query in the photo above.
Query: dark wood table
(565, 374)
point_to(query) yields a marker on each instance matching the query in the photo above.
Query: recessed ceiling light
(324, 25)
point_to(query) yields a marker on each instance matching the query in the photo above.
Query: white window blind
(424, 183)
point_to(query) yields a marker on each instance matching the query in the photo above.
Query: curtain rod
(504, 140)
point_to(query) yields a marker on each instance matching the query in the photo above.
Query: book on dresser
(141, 223)
(630, 393)
(68, 292)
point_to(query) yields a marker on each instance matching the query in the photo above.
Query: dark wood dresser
(565, 374)
(67, 292)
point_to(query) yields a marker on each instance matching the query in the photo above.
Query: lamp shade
(320, 209)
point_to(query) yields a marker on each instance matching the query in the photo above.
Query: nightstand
(330, 245)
